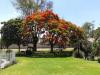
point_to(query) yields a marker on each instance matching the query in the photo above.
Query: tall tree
(11, 32)
(27, 7)
(97, 34)
(35, 22)
(88, 29)
(97, 41)
(57, 28)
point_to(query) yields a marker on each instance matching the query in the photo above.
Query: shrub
(78, 54)
(98, 59)
(28, 53)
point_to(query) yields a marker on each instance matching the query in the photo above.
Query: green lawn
(52, 66)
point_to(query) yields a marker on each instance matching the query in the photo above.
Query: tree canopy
(59, 30)
(12, 32)
(27, 7)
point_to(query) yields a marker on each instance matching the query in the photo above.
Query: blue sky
(76, 11)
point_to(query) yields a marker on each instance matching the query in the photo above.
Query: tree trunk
(7, 47)
(35, 41)
(35, 47)
(19, 48)
(1, 44)
(78, 48)
(51, 48)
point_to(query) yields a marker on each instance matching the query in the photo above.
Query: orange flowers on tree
(59, 30)
(37, 21)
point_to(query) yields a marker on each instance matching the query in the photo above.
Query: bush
(28, 53)
(98, 59)
(21, 53)
(78, 54)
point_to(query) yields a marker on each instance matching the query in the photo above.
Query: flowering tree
(62, 34)
(58, 30)
(34, 24)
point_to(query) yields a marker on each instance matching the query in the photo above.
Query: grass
(52, 66)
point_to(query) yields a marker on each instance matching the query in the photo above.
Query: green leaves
(11, 31)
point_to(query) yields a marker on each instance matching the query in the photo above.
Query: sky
(76, 11)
